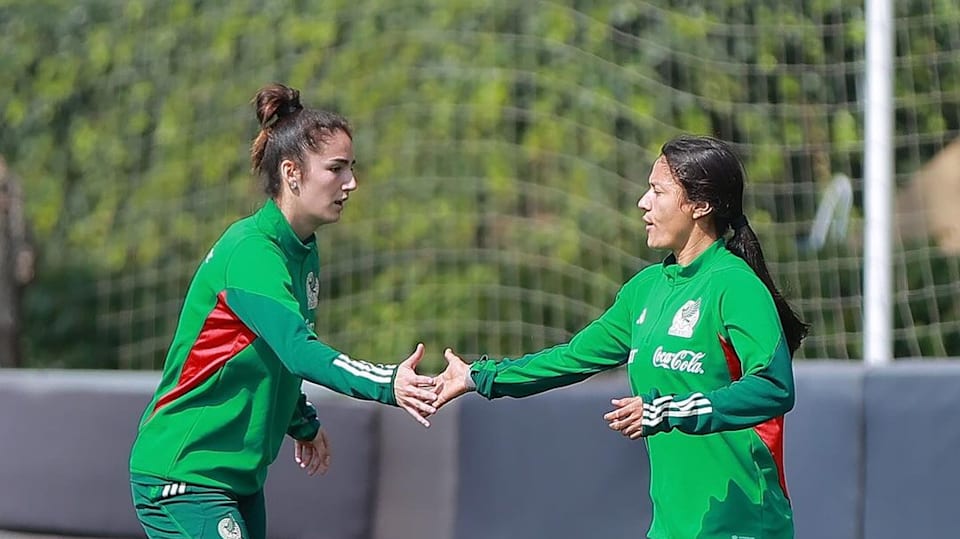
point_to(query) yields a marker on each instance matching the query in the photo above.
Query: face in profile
(668, 214)
(327, 179)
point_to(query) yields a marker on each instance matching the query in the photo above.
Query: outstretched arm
(304, 355)
(264, 303)
(602, 345)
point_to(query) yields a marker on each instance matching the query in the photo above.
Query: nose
(644, 203)
(351, 185)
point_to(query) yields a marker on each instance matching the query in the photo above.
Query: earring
(294, 187)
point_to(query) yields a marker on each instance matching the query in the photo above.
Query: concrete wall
(911, 469)
(868, 452)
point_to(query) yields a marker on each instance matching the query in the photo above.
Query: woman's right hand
(452, 382)
(413, 392)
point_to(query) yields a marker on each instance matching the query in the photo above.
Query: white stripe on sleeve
(381, 370)
(654, 413)
(361, 373)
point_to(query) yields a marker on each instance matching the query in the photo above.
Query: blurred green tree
(502, 148)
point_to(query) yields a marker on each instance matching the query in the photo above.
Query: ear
(701, 210)
(289, 171)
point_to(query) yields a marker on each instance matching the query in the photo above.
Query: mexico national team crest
(229, 529)
(685, 319)
(313, 291)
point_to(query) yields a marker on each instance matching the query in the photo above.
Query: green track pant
(178, 510)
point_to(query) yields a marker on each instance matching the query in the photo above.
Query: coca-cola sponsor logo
(682, 361)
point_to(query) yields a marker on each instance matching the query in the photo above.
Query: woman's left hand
(313, 456)
(627, 417)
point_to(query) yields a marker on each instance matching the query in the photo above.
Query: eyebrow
(342, 161)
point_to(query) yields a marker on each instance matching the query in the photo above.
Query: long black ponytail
(710, 172)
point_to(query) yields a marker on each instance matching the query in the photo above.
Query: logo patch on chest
(313, 291)
(685, 319)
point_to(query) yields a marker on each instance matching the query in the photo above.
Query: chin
(327, 220)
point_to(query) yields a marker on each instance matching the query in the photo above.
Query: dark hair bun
(275, 102)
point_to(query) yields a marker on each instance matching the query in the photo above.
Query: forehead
(337, 144)
(660, 174)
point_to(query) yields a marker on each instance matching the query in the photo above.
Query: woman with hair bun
(230, 388)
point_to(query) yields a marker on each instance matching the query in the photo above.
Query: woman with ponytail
(707, 340)
(230, 388)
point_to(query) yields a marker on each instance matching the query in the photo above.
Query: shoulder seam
(248, 236)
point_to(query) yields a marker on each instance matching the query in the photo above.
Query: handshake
(421, 396)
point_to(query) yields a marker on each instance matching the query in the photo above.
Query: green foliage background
(502, 148)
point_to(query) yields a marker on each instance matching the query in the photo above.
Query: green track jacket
(705, 350)
(230, 388)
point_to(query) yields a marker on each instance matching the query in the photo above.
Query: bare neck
(302, 226)
(698, 242)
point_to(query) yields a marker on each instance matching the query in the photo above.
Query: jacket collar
(273, 223)
(676, 273)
